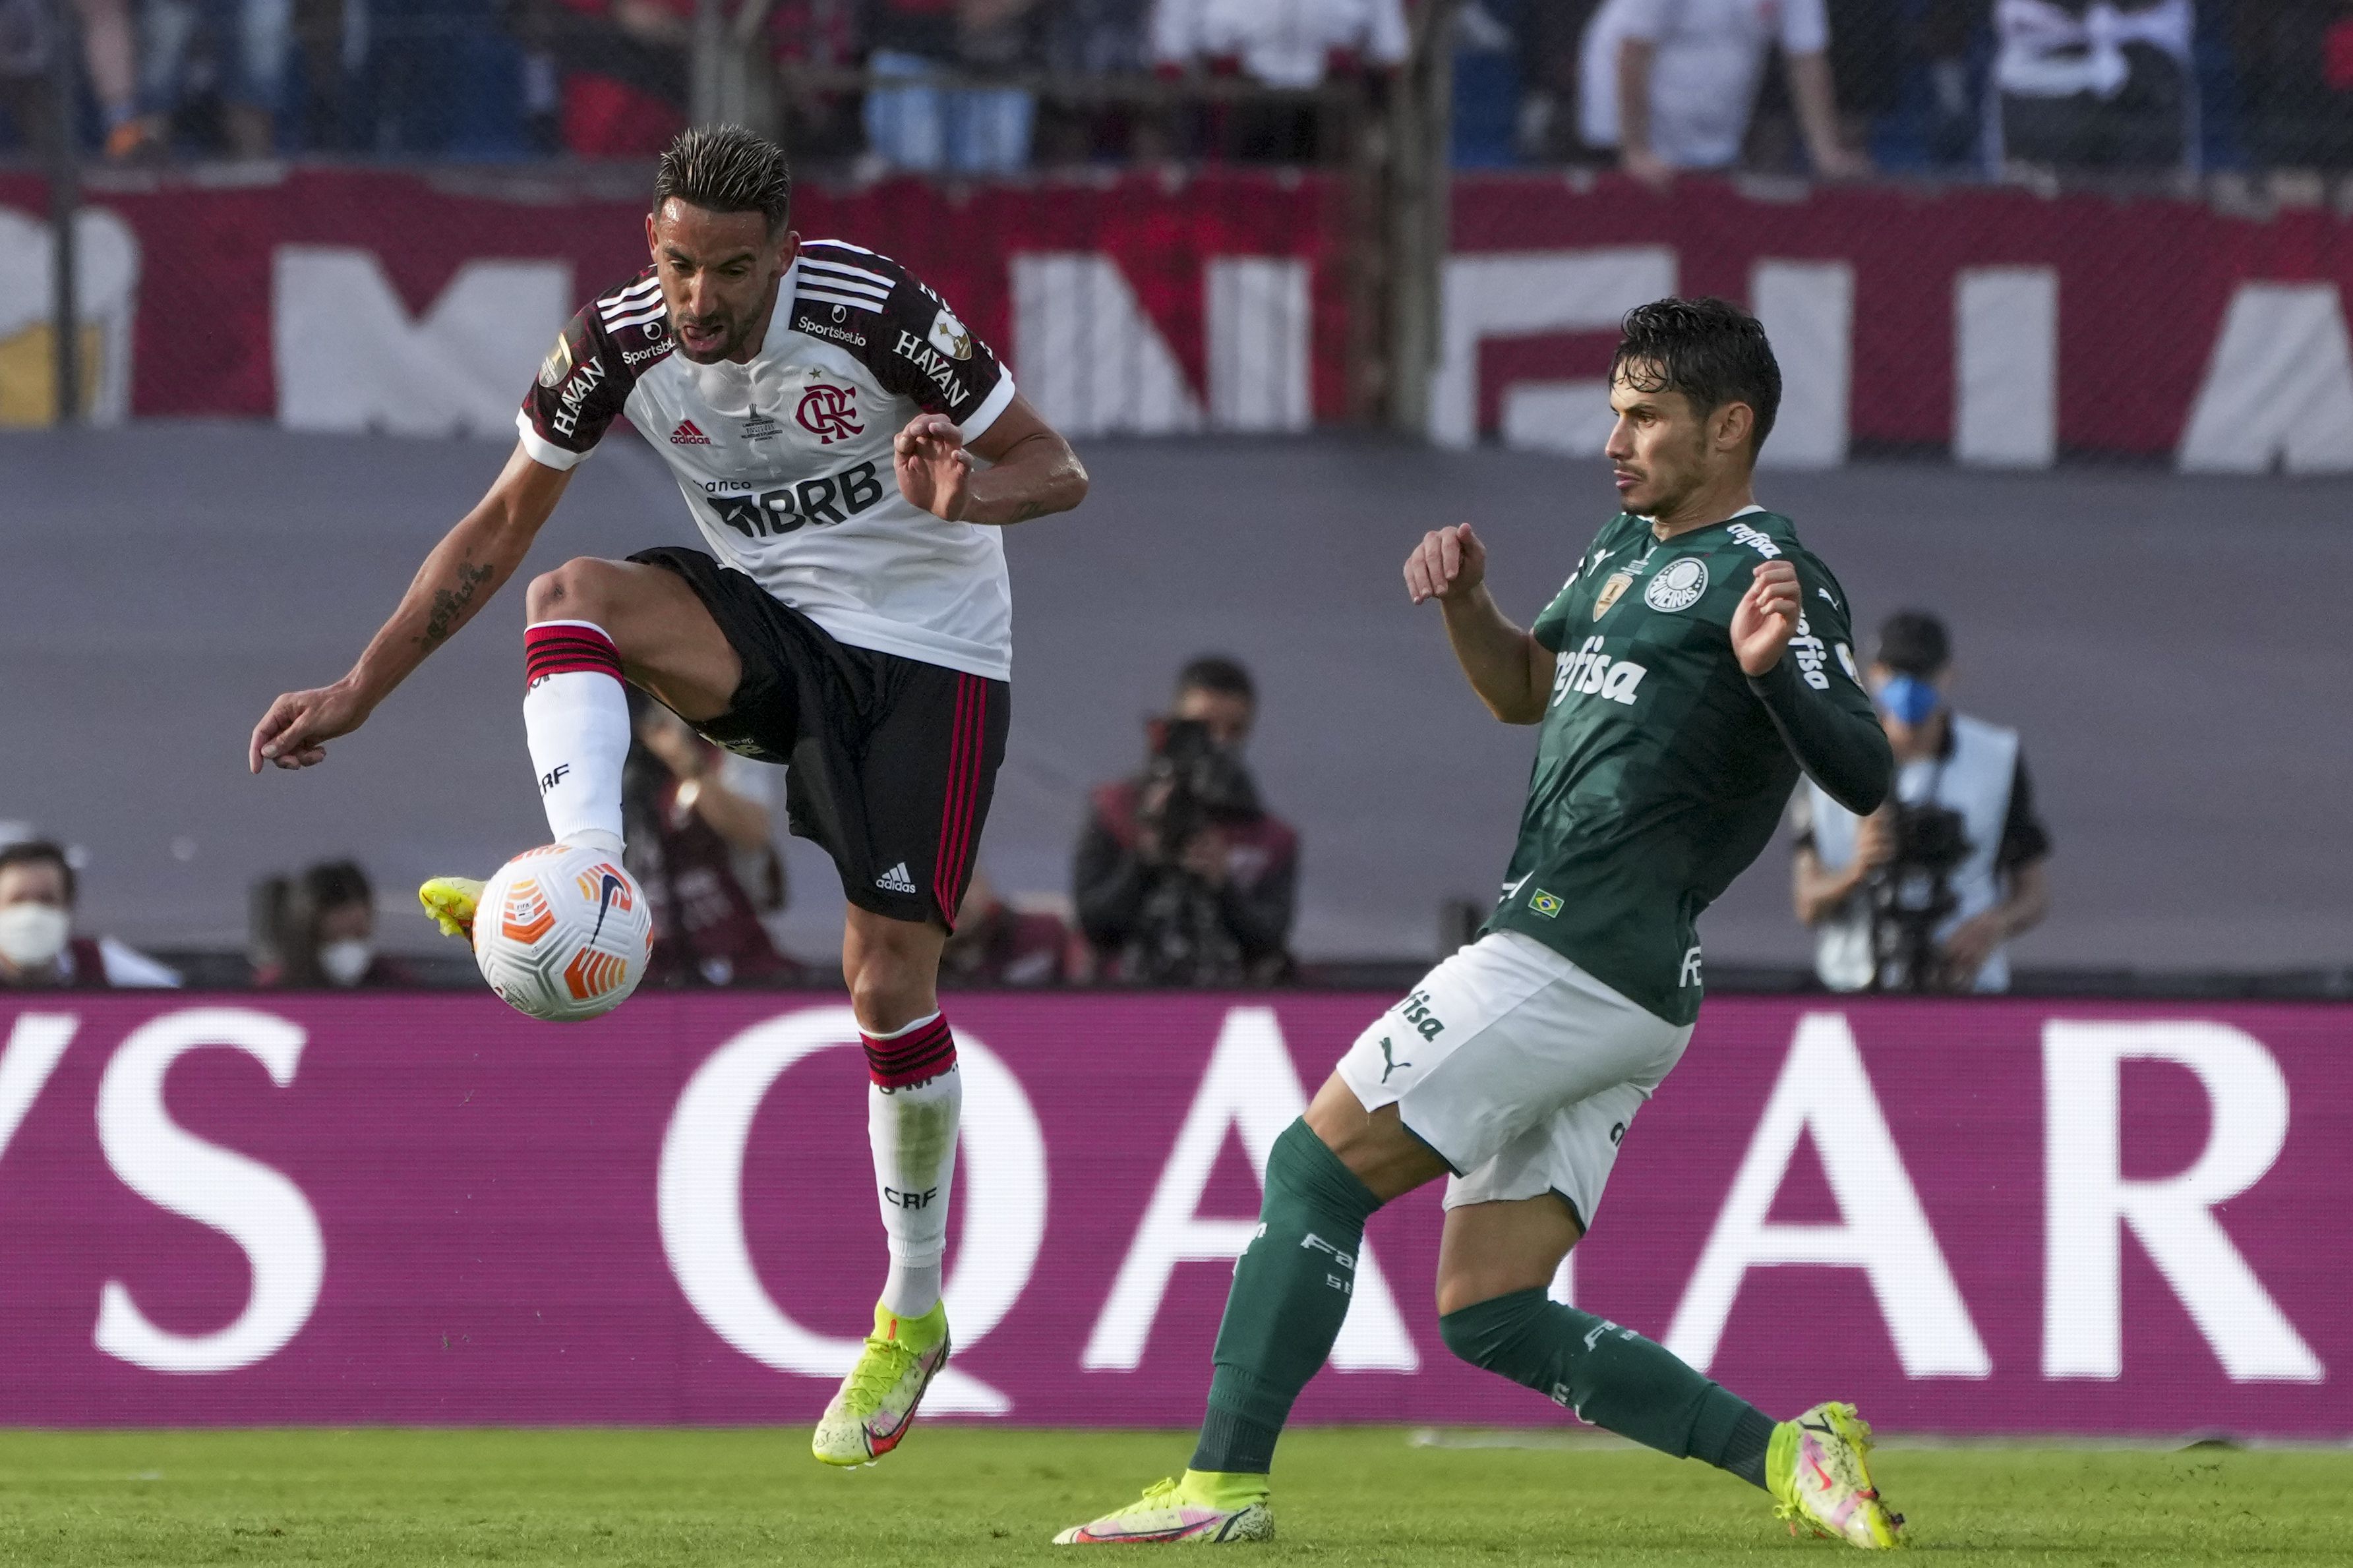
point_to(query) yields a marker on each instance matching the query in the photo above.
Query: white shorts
(1520, 1070)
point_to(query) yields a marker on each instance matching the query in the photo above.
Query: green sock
(1289, 1295)
(1612, 1377)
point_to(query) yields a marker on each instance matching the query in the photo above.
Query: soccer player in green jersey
(1697, 659)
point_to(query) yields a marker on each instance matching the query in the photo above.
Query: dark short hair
(1913, 642)
(1711, 350)
(1216, 672)
(726, 169)
(40, 852)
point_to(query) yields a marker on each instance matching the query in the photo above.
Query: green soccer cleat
(1815, 1468)
(877, 1401)
(451, 901)
(1195, 1510)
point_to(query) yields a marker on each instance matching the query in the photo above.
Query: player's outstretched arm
(1825, 719)
(1509, 668)
(1032, 471)
(458, 579)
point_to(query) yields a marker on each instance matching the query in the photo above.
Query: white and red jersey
(784, 460)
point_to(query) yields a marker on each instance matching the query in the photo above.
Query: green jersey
(1661, 769)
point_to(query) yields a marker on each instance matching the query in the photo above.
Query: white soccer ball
(563, 932)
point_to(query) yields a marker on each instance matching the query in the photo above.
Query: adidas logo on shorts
(896, 880)
(686, 435)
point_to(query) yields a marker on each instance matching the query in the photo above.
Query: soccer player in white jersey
(823, 411)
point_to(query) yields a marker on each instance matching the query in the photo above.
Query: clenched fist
(1448, 564)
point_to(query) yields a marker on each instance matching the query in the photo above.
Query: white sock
(912, 1129)
(575, 714)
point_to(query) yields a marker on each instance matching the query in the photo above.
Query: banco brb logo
(829, 412)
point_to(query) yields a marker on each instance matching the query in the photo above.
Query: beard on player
(720, 241)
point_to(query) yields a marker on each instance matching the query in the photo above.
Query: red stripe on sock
(911, 1057)
(563, 650)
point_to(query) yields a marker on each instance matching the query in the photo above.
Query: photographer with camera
(1922, 895)
(1182, 877)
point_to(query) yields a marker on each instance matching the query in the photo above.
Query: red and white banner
(2000, 326)
(1997, 1217)
(422, 304)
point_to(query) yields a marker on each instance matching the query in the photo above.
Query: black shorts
(892, 761)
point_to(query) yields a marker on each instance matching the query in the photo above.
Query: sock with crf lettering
(913, 1109)
(575, 715)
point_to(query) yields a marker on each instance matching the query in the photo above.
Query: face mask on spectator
(346, 962)
(1908, 697)
(32, 935)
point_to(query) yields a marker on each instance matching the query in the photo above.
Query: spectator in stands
(1182, 877)
(319, 931)
(1672, 83)
(2296, 82)
(1292, 44)
(2097, 84)
(38, 949)
(700, 845)
(27, 31)
(1282, 43)
(931, 127)
(248, 40)
(1922, 894)
(1087, 39)
(996, 944)
(623, 65)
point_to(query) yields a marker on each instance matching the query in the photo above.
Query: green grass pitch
(975, 1496)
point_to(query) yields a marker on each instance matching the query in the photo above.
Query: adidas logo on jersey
(686, 435)
(896, 880)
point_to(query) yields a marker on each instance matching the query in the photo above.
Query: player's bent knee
(582, 589)
(1484, 1331)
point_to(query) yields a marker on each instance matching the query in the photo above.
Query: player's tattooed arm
(457, 579)
(452, 606)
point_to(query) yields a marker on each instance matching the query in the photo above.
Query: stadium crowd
(978, 87)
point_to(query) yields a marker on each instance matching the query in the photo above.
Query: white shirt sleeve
(1805, 26)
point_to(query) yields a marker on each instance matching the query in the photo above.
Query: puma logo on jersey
(1390, 1063)
(1589, 672)
(896, 880)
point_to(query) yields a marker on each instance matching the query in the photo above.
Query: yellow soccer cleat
(451, 900)
(1817, 1470)
(876, 1404)
(1200, 1510)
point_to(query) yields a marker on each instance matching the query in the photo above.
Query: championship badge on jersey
(1610, 591)
(557, 365)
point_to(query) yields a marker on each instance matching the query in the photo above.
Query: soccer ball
(562, 933)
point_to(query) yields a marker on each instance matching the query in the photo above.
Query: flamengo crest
(829, 412)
